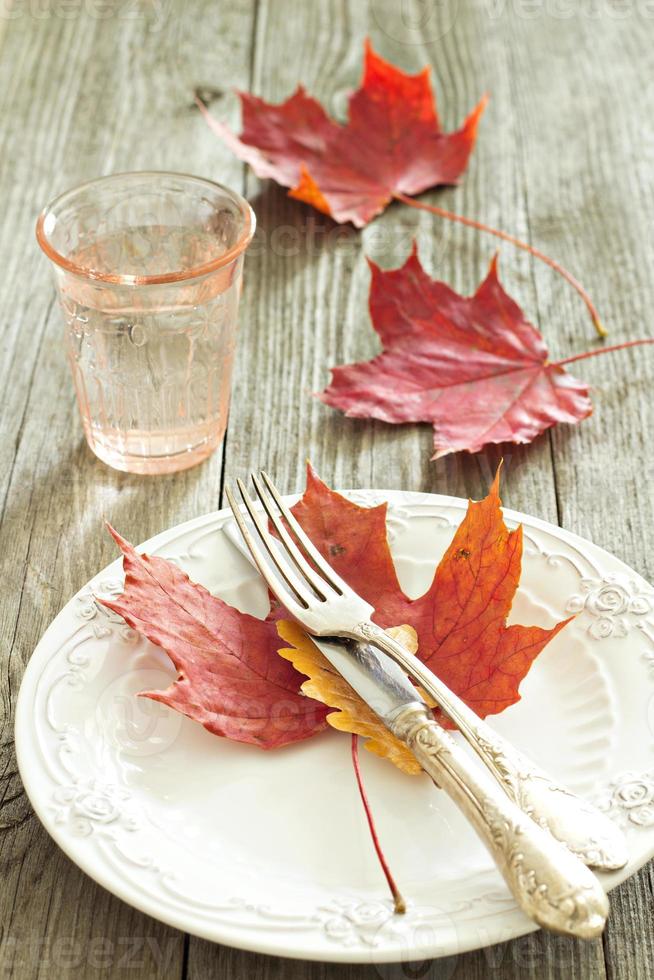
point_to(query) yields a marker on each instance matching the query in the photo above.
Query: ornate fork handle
(589, 834)
(551, 885)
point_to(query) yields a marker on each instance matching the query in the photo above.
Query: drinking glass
(148, 273)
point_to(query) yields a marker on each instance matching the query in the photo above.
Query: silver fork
(550, 883)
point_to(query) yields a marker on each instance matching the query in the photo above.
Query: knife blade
(370, 672)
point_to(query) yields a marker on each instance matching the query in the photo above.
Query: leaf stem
(603, 350)
(398, 900)
(505, 236)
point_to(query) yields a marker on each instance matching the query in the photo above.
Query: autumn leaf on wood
(461, 620)
(474, 367)
(391, 147)
(325, 684)
(230, 678)
(392, 143)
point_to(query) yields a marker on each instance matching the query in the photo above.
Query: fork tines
(298, 565)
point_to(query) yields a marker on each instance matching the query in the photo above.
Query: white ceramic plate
(269, 851)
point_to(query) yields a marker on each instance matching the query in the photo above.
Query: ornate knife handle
(551, 885)
(589, 834)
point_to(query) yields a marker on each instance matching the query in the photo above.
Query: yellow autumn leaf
(353, 715)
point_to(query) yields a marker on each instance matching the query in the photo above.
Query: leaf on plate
(230, 678)
(474, 367)
(325, 684)
(392, 143)
(461, 620)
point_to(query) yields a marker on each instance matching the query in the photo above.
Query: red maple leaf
(472, 366)
(230, 677)
(392, 143)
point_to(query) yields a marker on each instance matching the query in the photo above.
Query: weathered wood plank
(81, 96)
(577, 136)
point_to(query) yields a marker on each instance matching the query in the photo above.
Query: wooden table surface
(564, 159)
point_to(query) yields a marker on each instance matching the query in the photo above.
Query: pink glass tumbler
(148, 272)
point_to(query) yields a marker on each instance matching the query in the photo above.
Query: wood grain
(564, 160)
(83, 96)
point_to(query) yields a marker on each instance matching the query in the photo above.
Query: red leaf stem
(398, 900)
(603, 350)
(506, 237)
